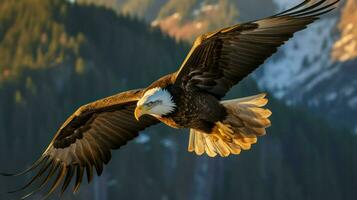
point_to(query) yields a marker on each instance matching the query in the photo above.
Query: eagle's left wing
(219, 60)
(86, 139)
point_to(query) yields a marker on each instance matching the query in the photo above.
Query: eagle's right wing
(219, 60)
(86, 139)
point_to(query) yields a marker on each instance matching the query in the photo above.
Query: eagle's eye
(152, 103)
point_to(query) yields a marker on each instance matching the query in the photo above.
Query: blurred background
(56, 55)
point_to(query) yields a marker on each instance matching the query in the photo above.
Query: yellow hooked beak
(140, 111)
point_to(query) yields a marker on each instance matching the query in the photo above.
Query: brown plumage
(188, 98)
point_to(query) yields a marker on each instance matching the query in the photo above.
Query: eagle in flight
(188, 98)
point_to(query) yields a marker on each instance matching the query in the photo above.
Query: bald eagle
(188, 98)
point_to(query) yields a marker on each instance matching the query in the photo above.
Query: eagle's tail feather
(245, 121)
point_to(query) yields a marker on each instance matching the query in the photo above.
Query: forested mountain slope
(301, 157)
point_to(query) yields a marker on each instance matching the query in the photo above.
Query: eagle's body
(188, 98)
(195, 109)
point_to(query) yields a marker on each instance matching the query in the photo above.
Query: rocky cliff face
(345, 48)
(196, 18)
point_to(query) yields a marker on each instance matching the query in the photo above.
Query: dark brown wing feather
(86, 139)
(219, 60)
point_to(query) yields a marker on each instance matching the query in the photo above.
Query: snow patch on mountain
(143, 138)
(205, 8)
(168, 143)
(305, 58)
(331, 97)
(348, 91)
(353, 102)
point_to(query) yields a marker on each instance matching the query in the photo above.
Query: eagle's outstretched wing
(86, 139)
(219, 60)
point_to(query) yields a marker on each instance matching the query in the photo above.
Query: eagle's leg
(225, 131)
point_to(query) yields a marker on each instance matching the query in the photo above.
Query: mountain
(301, 157)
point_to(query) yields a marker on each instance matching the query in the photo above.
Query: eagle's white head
(156, 102)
